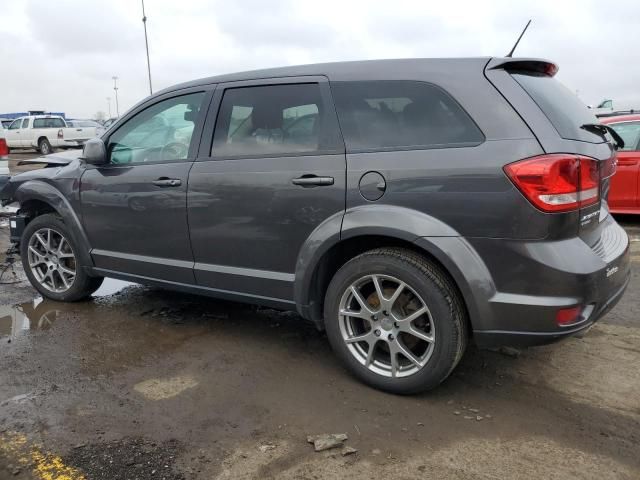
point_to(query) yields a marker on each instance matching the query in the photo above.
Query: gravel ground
(140, 383)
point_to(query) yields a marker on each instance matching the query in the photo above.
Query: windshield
(560, 105)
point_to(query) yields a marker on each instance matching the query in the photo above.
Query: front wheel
(49, 259)
(395, 320)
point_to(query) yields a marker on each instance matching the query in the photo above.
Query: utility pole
(109, 103)
(146, 42)
(115, 89)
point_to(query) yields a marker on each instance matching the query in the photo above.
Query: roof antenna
(510, 54)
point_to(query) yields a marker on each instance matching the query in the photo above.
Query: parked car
(624, 193)
(415, 206)
(99, 129)
(4, 159)
(46, 132)
(109, 122)
(5, 122)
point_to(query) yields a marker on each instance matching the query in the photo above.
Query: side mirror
(95, 152)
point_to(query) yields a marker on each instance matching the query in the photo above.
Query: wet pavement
(144, 383)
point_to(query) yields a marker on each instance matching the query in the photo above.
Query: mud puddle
(40, 313)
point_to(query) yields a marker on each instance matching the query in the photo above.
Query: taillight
(558, 182)
(4, 148)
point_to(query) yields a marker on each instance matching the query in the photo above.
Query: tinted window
(15, 125)
(274, 120)
(161, 133)
(25, 123)
(560, 105)
(48, 123)
(630, 133)
(401, 114)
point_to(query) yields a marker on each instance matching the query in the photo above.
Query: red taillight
(4, 148)
(557, 182)
(567, 316)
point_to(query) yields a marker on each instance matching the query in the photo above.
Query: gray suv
(406, 207)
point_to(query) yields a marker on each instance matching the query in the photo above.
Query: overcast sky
(60, 56)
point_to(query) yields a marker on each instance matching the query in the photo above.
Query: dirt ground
(141, 383)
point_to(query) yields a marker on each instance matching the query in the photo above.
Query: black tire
(44, 147)
(444, 304)
(82, 286)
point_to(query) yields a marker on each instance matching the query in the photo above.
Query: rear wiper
(603, 130)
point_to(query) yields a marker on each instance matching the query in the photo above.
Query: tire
(49, 260)
(44, 147)
(427, 320)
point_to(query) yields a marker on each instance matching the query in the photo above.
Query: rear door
(623, 194)
(274, 172)
(134, 207)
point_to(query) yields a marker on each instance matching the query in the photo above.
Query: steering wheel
(174, 151)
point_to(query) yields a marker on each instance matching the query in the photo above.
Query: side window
(15, 125)
(274, 120)
(630, 133)
(161, 133)
(25, 123)
(401, 114)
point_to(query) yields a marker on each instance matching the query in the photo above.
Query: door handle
(167, 182)
(312, 181)
(627, 162)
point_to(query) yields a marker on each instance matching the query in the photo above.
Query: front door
(134, 207)
(274, 173)
(623, 194)
(14, 134)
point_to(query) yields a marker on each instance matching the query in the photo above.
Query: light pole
(109, 103)
(146, 42)
(115, 89)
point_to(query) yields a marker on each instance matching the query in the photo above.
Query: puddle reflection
(34, 315)
(40, 314)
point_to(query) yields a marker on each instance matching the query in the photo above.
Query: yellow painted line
(43, 465)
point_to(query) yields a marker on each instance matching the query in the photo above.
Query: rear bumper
(497, 338)
(514, 289)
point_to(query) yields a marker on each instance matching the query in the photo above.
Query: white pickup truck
(46, 132)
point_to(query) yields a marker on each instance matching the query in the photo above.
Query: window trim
(149, 103)
(206, 144)
(406, 148)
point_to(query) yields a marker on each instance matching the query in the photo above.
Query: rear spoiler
(524, 65)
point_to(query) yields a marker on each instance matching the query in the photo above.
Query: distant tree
(100, 116)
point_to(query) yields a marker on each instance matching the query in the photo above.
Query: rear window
(560, 105)
(389, 115)
(48, 123)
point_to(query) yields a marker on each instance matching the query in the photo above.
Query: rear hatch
(558, 118)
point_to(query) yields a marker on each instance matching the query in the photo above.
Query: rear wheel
(396, 320)
(44, 147)
(49, 259)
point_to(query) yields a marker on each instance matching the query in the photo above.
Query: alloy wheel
(386, 326)
(51, 260)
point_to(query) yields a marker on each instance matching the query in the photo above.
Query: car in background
(107, 123)
(44, 133)
(100, 129)
(624, 193)
(4, 159)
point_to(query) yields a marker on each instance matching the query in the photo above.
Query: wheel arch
(414, 231)
(38, 198)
